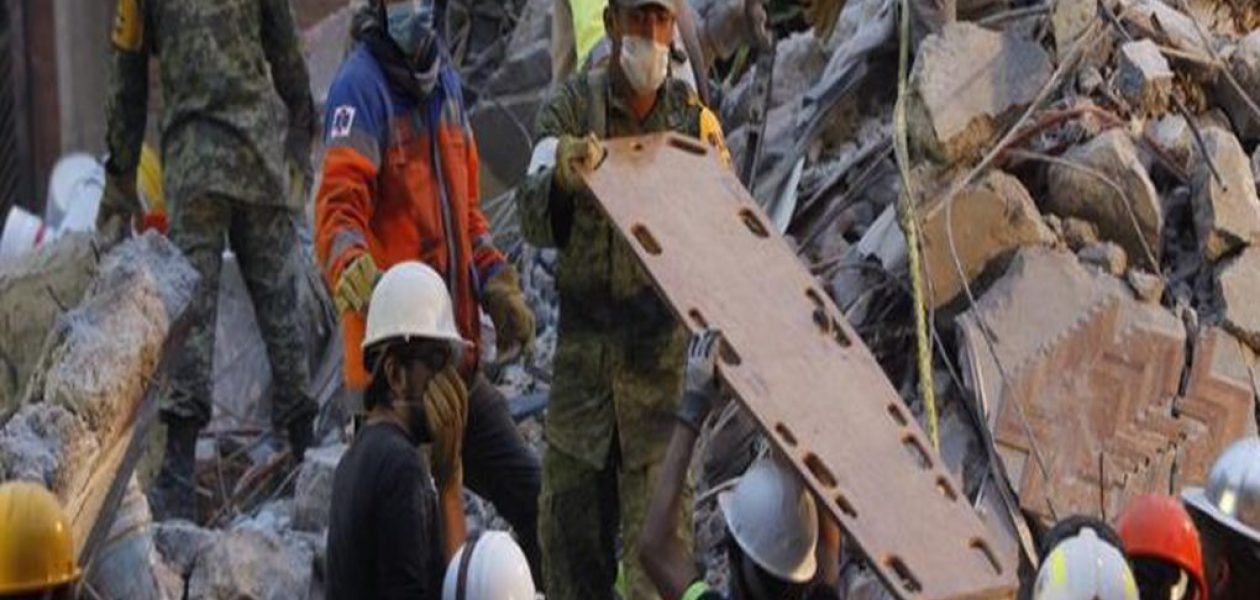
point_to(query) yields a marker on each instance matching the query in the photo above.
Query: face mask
(408, 24)
(644, 62)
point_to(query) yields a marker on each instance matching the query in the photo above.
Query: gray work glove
(702, 389)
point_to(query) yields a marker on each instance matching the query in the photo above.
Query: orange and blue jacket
(399, 181)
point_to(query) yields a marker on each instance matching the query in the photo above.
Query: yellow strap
(128, 26)
(711, 132)
(588, 26)
(694, 591)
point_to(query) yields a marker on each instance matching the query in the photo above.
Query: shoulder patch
(342, 121)
(128, 32)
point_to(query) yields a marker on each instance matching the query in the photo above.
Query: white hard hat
(772, 517)
(488, 567)
(1084, 567)
(411, 301)
(1232, 495)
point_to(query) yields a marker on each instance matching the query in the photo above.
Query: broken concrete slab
(966, 81)
(1169, 26)
(1107, 256)
(990, 219)
(248, 563)
(1130, 213)
(1148, 287)
(1096, 374)
(34, 291)
(1239, 288)
(313, 495)
(1173, 135)
(1144, 77)
(1226, 213)
(181, 543)
(1244, 64)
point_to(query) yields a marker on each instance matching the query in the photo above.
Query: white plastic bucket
(23, 232)
(74, 193)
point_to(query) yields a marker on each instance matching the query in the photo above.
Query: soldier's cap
(669, 5)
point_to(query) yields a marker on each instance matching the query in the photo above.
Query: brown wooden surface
(796, 364)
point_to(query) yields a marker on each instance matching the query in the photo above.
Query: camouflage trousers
(581, 511)
(265, 241)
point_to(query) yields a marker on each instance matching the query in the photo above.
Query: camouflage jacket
(619, 364)
(229, 70)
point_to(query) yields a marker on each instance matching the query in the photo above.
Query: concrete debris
(1107, 185)
(1239, 288)
(248, 563)
(313, 495)
(1173, 135)
(1244, 65)
(34, 290)
(181, 544)
(966, 81)
(1148, 287)
(1227, 213)
(44, 443)
(1126, 359)
(1079, 233)
(1105, 255)
(1169, 26)
(129, 566)
(989, 220)
(1144, 78)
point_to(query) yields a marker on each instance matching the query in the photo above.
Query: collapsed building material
(1244, 65)
(313, 495)
(1107, 256)
(1173, 135)
(249, 563)
(181, 543)
(1226, 212)
(1104, 182)
(966, 82)
(99, 365)
(1240, 287)
(128, 567)
(868, 460)
(989, 219)
(34, 290)
(1144, 78)
(1094, 383)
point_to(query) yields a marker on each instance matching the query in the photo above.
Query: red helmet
(1158, 527)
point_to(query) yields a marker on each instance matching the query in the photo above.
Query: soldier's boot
(174, 494)
(301, 432)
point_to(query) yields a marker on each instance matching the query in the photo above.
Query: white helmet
(411, 301)
(772, 517)
(488, 567)
(1232, 495)
(1084, 567)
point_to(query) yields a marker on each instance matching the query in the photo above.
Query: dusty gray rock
(313, 495)
(1144, 77)
(181, 543)
(1245, 66)
(1079, 233)
(1068, 21)
(248, 563)
(129, 566)
(966, 81)
(1107, 256)
(44, 443)
(1147, 286)
(1226, 216)
(1173, 134)
(34, 291)
(1239, 288)
(1131, 216)
(990, 219)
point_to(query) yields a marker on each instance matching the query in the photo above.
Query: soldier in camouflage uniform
(237, 104)
(619, 364)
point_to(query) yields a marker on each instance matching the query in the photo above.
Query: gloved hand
(354, 287)
(446, 410)
(574, 155)
(702, 389)
(120, 205)
(505, 303)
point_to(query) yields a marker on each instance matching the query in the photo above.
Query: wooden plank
(798, 367)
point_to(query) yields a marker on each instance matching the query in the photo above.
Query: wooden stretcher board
(795, 363)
